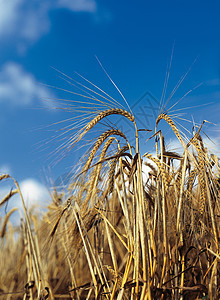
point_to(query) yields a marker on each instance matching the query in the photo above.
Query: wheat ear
(96, 173)
(99, 142)
(172, 125)
(161, 169)
(201, 171)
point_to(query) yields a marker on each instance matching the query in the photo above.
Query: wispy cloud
(26, 21)
(8, 15)
(78, 5)
(19, 87)
(23, 20)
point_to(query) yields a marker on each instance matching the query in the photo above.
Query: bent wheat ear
(8, 196)
(172, 125)
(111, 174)
(3, 229)
(96, 173)
(4, 176)
(97, 119)
(99, 142)
(106, 113)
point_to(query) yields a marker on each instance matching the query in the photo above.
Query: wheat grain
(4, 176)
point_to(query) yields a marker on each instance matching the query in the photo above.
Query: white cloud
(34, 193)
(26, 21)
(19, 87)
(35, 22)
(8, 14)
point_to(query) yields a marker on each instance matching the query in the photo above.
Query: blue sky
(134, 42)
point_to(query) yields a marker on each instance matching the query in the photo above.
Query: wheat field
(129, 225)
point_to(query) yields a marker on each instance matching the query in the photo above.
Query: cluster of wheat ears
(111, 234)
